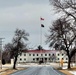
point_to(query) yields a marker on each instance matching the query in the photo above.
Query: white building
(61, 55)
(41, 55)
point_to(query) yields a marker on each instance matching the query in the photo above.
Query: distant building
(41, 55)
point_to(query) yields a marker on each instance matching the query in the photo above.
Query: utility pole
(1, 50)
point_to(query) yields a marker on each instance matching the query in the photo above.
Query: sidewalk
(7, 69)
(4, 68)
(71, 71)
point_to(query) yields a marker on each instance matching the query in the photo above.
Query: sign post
(61, 62)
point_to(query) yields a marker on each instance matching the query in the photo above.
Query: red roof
(40, 51)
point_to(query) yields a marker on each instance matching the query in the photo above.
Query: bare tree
(6, 56)
(68, 7)
(62, 36)
(8, 48)
(17, 44)
(68, 10)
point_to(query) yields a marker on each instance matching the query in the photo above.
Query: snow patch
(73, 72)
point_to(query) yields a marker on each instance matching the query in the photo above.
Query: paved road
(44, 70)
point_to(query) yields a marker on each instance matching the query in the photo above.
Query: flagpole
(40, 33)
(40, 36)
(41, 26)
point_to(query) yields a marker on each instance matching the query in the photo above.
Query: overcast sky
(25, 14)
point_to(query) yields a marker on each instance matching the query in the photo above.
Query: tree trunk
(14, 66)
(69, 61)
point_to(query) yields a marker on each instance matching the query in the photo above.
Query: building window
(45, 54)
(62, 54)
(33, 58)
(66, 58)
(29, 54)
(58, 58)
(37, 59)
(25, 59)
(24, 54)
(41, 54)
(49, 54)
(62, 58)
(37, 54)
(45, 59)
(52, 54)
(58, 54)
(20, 59)
(33, 54)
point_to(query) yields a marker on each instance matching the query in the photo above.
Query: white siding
(32, 57)
(60, 55)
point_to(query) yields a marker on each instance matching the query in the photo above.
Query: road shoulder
(66, 72)
(10, 70)
(69, 71)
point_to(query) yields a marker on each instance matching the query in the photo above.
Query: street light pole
(1, 50)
